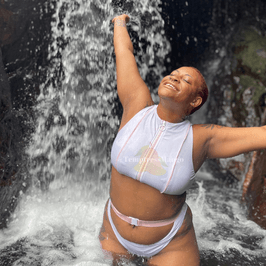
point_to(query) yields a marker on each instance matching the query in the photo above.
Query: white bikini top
(155, 152)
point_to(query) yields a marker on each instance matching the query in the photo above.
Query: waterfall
(76, 119)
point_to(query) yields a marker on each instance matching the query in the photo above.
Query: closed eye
(186, 78)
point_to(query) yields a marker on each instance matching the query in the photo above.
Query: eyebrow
(185, 74)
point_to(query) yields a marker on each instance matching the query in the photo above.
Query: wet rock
(7, 26)
(249, 93)
(23, 58)
(254, 189)
(46, 247)
(238, 100)
(9, 185)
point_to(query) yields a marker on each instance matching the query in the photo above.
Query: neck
(172, 115)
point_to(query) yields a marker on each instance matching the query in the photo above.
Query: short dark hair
(202, 91)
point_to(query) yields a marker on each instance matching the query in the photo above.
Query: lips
(169, 85)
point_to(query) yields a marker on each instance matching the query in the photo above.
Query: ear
(196, 102)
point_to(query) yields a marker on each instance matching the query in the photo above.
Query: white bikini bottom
(152, 249)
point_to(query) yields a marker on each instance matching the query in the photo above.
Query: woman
(155, 156)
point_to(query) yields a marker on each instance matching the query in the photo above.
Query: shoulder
(207, 126)
(129, 113)
(208, 130)
(203, 134)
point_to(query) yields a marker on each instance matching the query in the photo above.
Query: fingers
(127, 18)
(124, 17)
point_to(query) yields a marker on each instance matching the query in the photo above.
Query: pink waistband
(137, 222)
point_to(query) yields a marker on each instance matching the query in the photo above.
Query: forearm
(121, 37)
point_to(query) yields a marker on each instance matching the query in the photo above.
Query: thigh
(182, 250)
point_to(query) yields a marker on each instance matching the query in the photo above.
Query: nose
(174, 78)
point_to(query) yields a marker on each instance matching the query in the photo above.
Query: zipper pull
(162, 127)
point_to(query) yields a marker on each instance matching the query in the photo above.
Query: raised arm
(224, 142)
(132, 91)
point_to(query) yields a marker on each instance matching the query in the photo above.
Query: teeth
(170, 86)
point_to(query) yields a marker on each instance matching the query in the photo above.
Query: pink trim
(131, 135)
(137, 222)
(169, 179)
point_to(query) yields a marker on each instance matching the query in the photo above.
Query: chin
(165, 97)
(165, 94)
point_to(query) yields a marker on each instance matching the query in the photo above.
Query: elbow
(124, 47)
(123, 44)
(130, 47)
(264, 130)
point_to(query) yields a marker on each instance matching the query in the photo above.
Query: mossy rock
(250, 68)
(251, 50)
(247, 81)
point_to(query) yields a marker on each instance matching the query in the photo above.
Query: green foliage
(253, 52)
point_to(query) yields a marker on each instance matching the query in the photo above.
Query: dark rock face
(8, 159)
(249, 92)
(254, 189)
(251, 67)
(238, 100)
(248, 78)
(24, 35)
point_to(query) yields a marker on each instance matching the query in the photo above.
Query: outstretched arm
(224, 142)
(132, 91)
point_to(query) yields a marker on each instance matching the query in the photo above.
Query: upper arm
(133, 93)
(132, 90)
(224, 142)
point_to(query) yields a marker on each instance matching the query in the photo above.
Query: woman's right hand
(123, 17)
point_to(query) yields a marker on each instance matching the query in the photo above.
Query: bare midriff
(135, 199)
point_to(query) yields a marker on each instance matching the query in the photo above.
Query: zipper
(150, 150)
(162, 127)
(169, 179)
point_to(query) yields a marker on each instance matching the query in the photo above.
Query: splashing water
(58, 220)
(224, 234)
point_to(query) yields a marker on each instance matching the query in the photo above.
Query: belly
(135, 199)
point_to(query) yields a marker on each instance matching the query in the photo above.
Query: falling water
(57, 221)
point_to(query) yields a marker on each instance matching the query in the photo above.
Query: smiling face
(180, 86)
